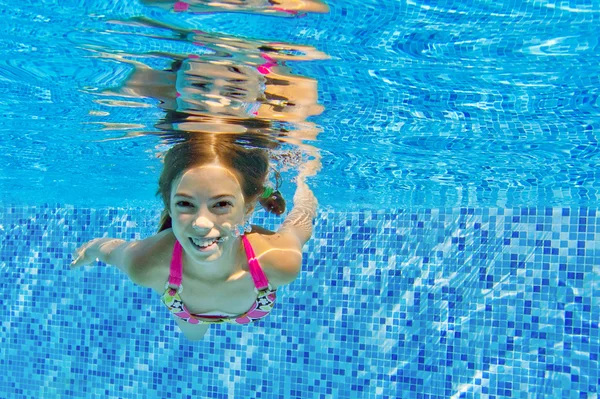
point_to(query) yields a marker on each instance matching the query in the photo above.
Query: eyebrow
(216, 197)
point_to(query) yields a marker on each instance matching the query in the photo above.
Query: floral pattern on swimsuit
(262, 306)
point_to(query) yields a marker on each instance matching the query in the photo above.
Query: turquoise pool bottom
(473, 303)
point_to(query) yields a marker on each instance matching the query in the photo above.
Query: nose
(202, 223)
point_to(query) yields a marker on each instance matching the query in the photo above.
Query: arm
(299, 222)
(108, 250)
(280, 253)
(133, 258)
(284, 256)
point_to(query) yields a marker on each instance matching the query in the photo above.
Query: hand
(84, 255)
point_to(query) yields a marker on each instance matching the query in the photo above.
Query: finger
(75, 255)
(78, 259)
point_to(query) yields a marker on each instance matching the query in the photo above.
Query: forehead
(207, 179)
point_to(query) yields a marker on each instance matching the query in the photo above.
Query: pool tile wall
(435, 303)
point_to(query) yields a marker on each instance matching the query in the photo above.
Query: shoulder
(150, 259)
(280, 255)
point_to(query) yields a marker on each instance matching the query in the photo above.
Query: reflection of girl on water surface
(292, 7)
(206, 265)
(238, 83)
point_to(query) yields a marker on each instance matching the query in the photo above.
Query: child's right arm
(108, 250)
(133, 258)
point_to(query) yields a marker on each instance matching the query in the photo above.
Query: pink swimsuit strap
(260, 279)
(265, 68)
(176, 271)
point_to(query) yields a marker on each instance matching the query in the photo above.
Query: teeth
(203, 243)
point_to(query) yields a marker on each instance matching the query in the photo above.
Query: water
(456, 252)
(473, 103)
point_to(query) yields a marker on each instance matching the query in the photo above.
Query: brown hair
(250, 165)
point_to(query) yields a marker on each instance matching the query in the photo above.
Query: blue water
(473, 103)
(455, 255)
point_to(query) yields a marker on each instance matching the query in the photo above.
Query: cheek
(227, 226)
(179, 219)
(230, 220)
(227, 220)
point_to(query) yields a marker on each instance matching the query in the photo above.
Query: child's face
(207, 204)
(219, 89)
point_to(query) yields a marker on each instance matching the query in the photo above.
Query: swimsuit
(260, 308)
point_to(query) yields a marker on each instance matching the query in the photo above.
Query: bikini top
(265, 299)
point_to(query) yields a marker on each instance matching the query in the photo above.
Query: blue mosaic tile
(466, 302)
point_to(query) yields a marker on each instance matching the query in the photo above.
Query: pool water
(455, 254)
(428, 104)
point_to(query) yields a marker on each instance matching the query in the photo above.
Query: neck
(219, 270)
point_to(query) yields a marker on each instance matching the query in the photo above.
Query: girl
(205, 263)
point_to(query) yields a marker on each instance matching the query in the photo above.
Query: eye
(223, 204)
(183, 204)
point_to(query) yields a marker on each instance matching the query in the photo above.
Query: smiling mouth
(203, 243)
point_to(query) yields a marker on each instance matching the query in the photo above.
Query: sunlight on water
(410, 105)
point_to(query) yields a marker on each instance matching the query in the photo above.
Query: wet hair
(249, 164)
(271, 199)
